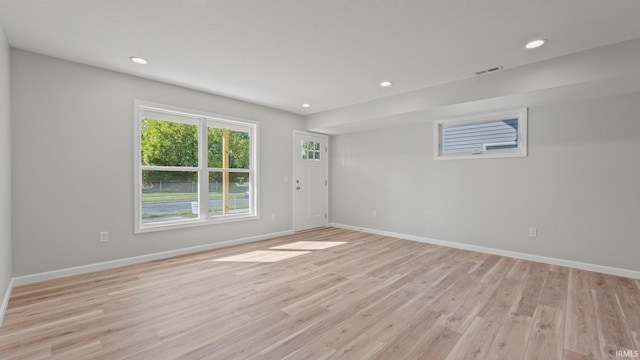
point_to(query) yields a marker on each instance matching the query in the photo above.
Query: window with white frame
(502, 134)
(310, 150)
(192, 168)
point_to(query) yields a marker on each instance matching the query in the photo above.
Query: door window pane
(310, 150)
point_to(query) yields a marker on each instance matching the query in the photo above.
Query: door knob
(297, 187)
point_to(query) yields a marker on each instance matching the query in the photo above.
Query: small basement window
(494, 135)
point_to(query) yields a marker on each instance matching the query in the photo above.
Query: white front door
(310, 180)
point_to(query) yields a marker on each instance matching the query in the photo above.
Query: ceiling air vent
(486, 71)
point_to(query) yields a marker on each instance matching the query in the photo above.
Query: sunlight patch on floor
(263, 256)
(308, 245)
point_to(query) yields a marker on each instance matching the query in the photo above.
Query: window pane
(480, 137)
(166, 143)
(214, 145)
(238, 193)
(169, 195)
(239, 148)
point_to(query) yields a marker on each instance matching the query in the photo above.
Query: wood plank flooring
(373, 297)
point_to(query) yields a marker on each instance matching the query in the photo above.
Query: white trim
(181, 113)
(190, 223)
(5, 300)
(520, 151)
(54, 274)
(513, 254)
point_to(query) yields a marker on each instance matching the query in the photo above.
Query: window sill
(491, 155)
(191, 223)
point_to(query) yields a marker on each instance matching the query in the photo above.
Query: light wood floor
(373, 297)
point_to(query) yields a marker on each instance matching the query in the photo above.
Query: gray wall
(5, 168)
(72, 135)
(72, 141)
(579, 185)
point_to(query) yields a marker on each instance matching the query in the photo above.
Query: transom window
(491, 135)
(192, 168)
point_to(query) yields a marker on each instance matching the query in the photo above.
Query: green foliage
(238, 149)
(166, 143)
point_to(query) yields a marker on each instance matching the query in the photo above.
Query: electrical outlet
(104, 236)
(374, 213)
(533, 232)
(273, 216)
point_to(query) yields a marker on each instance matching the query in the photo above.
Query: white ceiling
(329, 53)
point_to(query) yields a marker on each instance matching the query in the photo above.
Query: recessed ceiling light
(535, 44)
(386, 83)
(306, 105)
(138, 60)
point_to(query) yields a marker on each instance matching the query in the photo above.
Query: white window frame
(520, 151)
(203, 119)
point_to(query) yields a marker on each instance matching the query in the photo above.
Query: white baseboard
(5, 300)
(513, 254)
(27, 279)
